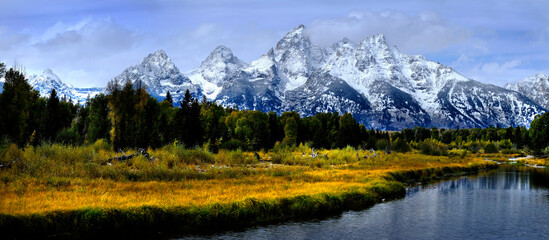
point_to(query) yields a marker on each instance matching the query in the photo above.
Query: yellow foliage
(55, 177)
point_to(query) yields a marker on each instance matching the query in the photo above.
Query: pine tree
(539, 132)
(52, 122)
(15, 105)
(290, 132)
(99, 124)
(187, 125)
(169, 98)
(2, 69)
(275, 131)
(348, 131)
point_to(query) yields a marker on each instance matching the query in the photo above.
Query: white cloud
(499, 73)
(495, 68)
(89, 38)
(85, 53)
(421, 33)
(11, 40)
(189, 48)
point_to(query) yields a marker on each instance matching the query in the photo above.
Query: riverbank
(211, 192)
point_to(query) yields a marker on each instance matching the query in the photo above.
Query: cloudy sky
(88, 42)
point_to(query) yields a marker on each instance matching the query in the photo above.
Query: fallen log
(140, 151)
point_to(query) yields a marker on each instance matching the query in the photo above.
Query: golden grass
(334, 171)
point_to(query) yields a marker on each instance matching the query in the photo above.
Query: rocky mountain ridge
(381, 86)
(534, 87)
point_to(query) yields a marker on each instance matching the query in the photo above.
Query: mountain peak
(158, 74)
(222, 49)
(376, 40)
(296, 32)
(221, 58)
(534, 87)
(220, 53)
(160, 53)
(50, 76)
(47, 71)
(541, 75)
(218, 66)
(292, 38)
(159, 57)
(299, 28)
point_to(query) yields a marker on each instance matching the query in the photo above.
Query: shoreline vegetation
(56, 190)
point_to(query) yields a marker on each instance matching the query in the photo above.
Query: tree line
(128, 117)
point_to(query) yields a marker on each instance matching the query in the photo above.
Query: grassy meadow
(56, 188)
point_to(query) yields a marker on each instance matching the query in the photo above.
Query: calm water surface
(508, 203)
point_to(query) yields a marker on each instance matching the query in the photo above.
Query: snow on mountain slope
(534, 87)
(159, 75)
(382, 87)
(220, 65)
(48, 80)
(326, 93)
(292, 54)
(471, 103)
(401, 90)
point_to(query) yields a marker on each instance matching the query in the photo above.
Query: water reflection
(510, 203)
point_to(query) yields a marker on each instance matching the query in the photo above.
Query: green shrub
(433, 147)
(505, 144)
(491, 148)
(400, 145)
(382, 144)
(101, 144)
(13, 153)
(457, 152)
(68, 136)
(233, 144)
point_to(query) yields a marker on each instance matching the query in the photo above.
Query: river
(508, 203)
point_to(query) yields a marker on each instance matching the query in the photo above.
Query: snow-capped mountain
(48, 80)
(220, 65)
(158, 74)
(381, 86)
(534, 87)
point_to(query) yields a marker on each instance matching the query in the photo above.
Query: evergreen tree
(2, 69)
(99, 124)
(400, 145)
(215, 130)
(276, 133)
(36, 119)
(539, 132)
(165, 122)
(187, 126)
(348, 131)
(52, 122)
(81, 121)
(169, 98)
(122, 111)
(290, 131)
(15, 105)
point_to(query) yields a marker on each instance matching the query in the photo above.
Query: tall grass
(53, 188)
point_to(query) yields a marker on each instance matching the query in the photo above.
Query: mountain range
(382, 87)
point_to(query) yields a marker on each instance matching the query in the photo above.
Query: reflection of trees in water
(539, 178)
(505, 178)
